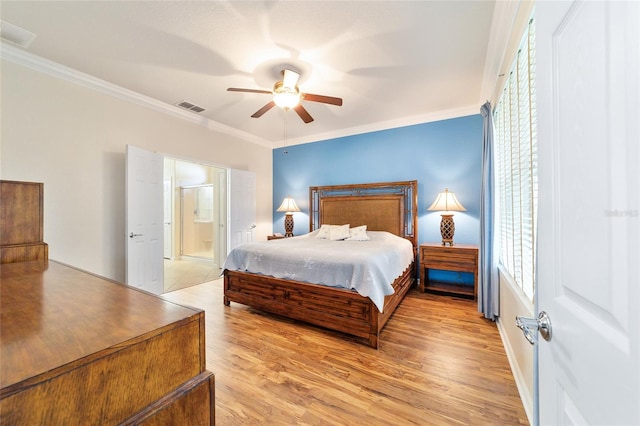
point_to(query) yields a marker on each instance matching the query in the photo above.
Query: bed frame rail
(330, 307)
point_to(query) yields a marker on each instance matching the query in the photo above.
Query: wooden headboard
(386, 206)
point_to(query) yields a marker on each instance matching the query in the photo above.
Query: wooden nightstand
(458, 258)
(274, 237)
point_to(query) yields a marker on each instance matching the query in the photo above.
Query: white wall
(514, 302)
(74, 140)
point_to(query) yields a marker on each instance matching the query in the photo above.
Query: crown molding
(505, 25)
(35, 62)
(19, 56)
(389, 124)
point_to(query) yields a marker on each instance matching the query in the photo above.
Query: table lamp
(447, 202)
(288, 206)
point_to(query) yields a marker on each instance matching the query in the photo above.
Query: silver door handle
(253, 226)
(131, 235)
(529, 326)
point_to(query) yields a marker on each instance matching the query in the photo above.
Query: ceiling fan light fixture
(285, 97)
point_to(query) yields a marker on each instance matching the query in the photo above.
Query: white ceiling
(394, 63)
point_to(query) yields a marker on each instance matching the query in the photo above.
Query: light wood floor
(438, 363)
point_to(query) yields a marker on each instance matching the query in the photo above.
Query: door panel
(242, 207)
(168, 218)
(145, 243)
(220, 252)
(588, 235)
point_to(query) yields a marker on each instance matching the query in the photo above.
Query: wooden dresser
(21, 222)
(79, 349)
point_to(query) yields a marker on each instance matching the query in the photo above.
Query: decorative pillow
(359, 233)
(323, 232)
(338, 232)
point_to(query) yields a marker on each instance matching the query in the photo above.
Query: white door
(144, 205)
(242, 207)
(167, 202)
(589, 211)
(220, 251)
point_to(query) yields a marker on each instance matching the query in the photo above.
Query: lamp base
(288, 225)
(447, 229)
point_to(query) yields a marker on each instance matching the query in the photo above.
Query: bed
(389, 207)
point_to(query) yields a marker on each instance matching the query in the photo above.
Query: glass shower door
(197, 222)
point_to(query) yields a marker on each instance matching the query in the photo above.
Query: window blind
(517, 167)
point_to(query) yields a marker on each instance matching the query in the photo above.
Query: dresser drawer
(450, 258)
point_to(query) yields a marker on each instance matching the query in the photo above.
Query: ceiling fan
(287, 95)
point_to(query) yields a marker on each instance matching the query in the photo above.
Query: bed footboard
(330, 307)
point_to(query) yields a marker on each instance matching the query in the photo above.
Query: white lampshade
(284, 96)
(447, 201)
(286, 100)
(288, 205)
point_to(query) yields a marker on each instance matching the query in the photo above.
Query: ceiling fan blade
(303, 113)
(290, 78)
(264, 109)
(321, 98)
(235, 89)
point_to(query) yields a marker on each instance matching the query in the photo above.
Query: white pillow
(338, 232)
(323, 232)
(359, 233)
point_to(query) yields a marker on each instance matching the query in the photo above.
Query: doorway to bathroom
(194, 223)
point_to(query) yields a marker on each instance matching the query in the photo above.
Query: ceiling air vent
(190, 106)
(16, 35)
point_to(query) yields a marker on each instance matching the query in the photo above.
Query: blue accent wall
(440, 154)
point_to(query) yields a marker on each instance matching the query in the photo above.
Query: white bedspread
(369, 267)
